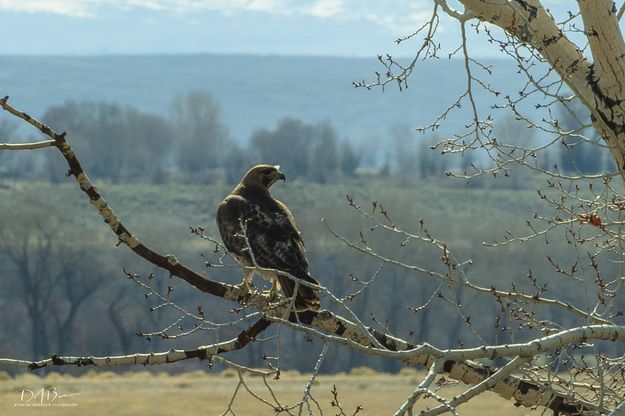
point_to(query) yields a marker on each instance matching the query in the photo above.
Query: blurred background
(168, 103)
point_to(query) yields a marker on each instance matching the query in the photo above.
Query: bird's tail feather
(307, 298)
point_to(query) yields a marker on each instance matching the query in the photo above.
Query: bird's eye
(266, 172)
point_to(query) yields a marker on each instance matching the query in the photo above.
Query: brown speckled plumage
(271, 232)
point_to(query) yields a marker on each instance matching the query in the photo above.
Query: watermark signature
(44, 397)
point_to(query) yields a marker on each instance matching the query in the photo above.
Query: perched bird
(260, 231)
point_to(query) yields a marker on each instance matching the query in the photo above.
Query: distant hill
(252, 91)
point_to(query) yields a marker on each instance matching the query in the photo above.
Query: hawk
(260, 231)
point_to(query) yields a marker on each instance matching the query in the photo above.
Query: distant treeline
(121, 144)
(191, 144)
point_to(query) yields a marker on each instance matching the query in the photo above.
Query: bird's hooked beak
(280, 175)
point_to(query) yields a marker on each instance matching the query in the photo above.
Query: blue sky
(362, 28)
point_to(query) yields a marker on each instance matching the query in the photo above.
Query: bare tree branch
(201, 353)
(27, 146)
(353, 334)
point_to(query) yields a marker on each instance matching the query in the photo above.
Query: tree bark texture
(597, 83)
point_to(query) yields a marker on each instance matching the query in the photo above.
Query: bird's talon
(245, 287)
(272, 295)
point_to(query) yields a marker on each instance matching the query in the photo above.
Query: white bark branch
(500, 377)
(421, 389)
(27, 146)
(530, 23)
(171, 356)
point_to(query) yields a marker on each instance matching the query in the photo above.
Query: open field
(198, 392)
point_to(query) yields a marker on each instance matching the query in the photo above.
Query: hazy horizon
(263, 88)
(345, 28)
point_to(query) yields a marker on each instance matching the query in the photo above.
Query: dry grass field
(202, 393)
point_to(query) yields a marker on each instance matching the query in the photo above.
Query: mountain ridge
(253, 91)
